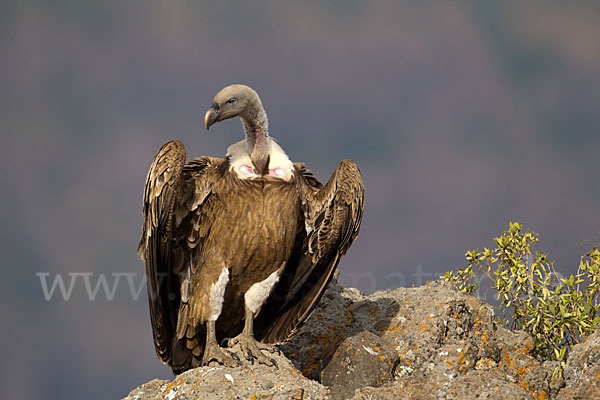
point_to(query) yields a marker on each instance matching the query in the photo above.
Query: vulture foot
(214, 353)
(252, 349)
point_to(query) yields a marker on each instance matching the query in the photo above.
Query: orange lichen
(485, 363)
(484, 337)
(523, 384)
(540, 395)
(349, 315)
(373, 312)
(508, 359)
(463, 363)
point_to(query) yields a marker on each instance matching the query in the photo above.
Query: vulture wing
(332, 217)
(173, 190)
(163, 187)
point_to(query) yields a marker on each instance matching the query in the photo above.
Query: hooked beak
(211, 115)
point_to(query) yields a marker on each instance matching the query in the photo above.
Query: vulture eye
(231, 101)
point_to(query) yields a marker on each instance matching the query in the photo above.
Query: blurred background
(463, 116)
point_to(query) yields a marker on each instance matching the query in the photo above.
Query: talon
(274, 363)
(252, 350)
(213, 353)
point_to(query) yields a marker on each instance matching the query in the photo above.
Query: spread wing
(201, 175)
(172, 190)
(332, 217)
(163, 188)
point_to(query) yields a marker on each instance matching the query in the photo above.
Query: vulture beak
(211, 115)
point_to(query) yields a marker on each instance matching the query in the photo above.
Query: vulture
(239, 250)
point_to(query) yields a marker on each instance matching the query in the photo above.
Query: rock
(329, 324)
(151, 389)
(477, 384)
(582, 373)
(430, 342)
(364, 359)
(521, 367)
(253, 381)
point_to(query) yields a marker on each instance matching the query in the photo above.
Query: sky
(462, 116)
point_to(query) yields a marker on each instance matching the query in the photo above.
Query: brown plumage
(241, 247)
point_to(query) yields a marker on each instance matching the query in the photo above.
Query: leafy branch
(556, 312)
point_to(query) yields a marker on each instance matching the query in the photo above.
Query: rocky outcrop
(248, 382)
(431, 342)
(583, 370)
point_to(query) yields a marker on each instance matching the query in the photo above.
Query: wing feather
(173, 190)
(163, 186)
(332, 217)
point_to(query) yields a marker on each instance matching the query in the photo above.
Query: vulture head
(234, 101)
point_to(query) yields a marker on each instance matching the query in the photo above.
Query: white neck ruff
(280, 165)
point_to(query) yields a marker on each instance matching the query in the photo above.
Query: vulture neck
(256, 127)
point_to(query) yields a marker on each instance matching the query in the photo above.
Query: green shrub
(556, 312)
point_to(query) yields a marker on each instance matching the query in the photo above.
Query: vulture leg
(250, 347)
(254, 299)
(212, 350)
